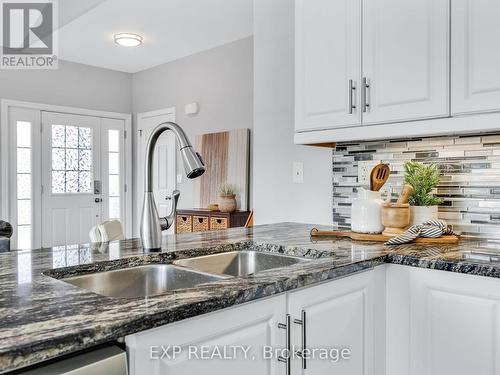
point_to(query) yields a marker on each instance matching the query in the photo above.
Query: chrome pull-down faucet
(151, 224)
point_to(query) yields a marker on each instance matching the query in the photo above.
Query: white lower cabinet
(442, 323)
(339, 314)
(345, 316)
(253, 325)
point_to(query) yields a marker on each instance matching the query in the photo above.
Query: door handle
(97, 186)
(98, 200)
(364, 99)
(286, 360)
(302, 353)
(352, 89)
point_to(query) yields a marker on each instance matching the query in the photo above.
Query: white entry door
(81, 170)
(164, 161)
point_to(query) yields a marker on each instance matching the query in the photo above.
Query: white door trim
(139, 177)
(6, 104)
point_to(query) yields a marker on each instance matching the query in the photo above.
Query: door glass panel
(114, 174)
(71, 182)
(24, 236)
(114, 140)
(84, 181)
(114, 163)
(58, 136)
(114, 185)
(24, 212)
(23, 160)
(114, 207)
(24, 190)
(71, 159)
(58, 182)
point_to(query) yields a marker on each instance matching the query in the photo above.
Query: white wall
(72, 85)
(276, 197)
(219, 79)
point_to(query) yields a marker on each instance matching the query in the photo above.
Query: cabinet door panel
(405, 59)
(442, 323)
(253, 326)
(475, 56)
(339, 314)
(327, 56)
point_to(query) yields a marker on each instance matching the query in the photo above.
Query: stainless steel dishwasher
(109, 360)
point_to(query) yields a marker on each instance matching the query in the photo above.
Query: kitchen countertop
(42, 317)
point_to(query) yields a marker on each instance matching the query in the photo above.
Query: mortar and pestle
(396, 216)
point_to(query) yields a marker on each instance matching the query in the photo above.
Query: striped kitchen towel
(431, 228)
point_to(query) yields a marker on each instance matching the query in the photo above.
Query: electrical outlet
(364, 169)
(179, 178)
(298, 172)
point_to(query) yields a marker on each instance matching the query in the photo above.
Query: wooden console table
(200, 220)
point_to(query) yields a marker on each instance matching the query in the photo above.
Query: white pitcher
(366, 212)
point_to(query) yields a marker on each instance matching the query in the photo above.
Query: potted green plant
(227, 198)
(423, 178)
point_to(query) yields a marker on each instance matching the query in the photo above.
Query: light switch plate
(179, 178)
(298, 172)
(364, 169)
(191, 108)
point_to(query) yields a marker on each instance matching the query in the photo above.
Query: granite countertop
(42, 317)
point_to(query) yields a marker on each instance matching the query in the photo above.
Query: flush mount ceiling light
(128, 39)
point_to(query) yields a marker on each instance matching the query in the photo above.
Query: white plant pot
(421, 214)
(366, 212)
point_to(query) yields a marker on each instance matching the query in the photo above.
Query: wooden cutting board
(315, 233)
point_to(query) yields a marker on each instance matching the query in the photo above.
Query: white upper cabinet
(327, 63)
(405, 59)
(475, 56)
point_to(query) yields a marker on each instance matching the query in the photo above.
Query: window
(24, 185)
(71, 159)
(114, 173)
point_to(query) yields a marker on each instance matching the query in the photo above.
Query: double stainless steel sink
(142, 281)
(156, 279)
(239, 263)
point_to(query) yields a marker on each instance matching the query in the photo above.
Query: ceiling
(171, 29)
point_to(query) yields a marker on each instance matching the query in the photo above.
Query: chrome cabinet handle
(287, 361)
(352, 89)
(302, 353)
(364, 93)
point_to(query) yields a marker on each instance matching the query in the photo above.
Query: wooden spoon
(379, 176)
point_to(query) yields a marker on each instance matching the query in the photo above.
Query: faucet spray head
(193, 163)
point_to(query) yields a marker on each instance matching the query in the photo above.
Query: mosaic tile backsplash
(470, 184)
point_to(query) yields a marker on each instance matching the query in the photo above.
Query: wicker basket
(184, 224)
(200, 223)
(218, 223)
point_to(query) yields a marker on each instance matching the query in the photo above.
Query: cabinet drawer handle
(364, 93)
(219, 221)
(200, 220)
(286, 360)
(303, 352)
(184, 218)
(352, 89)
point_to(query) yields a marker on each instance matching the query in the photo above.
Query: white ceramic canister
(366, 212)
